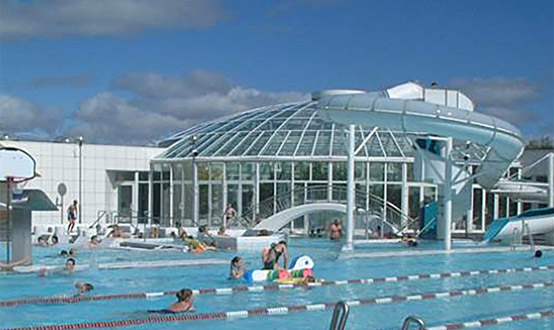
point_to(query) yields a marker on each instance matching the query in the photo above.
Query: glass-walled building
(256, 159)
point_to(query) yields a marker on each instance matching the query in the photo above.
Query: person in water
(70, 265)
(42, 241)
(409, 240)
(335, 230)
(9, 266)
(83, 288)
(237, 268)
(94, 241)
(205, 237)
(184, 302)
(272, 255)
(538, 254)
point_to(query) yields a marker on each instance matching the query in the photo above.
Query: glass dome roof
(281, 131)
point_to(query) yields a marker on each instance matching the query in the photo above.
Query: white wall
(59, 162)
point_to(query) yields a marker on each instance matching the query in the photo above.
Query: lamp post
(80, 141)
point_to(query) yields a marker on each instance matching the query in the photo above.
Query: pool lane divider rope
(229, 315)
(268, 287)
(494, 321)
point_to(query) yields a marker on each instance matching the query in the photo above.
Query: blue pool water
(324, 253)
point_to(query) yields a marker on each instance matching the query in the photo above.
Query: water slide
(539, 223)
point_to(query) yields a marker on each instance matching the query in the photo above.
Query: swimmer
(83, 288)
(42, 241)
(55, 239)
(94, 242)
(64, 254)
(335, 230)
(70, 265)
(271, 256)
(409, 240)
(237, 268)
(73, 252)
(184, 303)
(538, 254)
(197, 246)
(9, 266)
(222, 231)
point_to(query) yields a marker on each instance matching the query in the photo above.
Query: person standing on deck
(72, 216)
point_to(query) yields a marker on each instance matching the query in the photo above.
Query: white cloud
(160, 105)
(55, 18)
(505, 98)
(21, 116)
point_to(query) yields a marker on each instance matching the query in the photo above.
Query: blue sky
(132, 71)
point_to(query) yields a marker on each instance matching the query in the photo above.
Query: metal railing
(369, 203)
(413, 320)
(340, 316)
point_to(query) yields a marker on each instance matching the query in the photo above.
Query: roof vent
(332, 92)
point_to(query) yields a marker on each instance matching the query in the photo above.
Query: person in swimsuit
(72, 216)
(70, 265)
(9, 267)
(184, 302)
(271, 256)
(237, 268)
(335, 230)
(83, 288)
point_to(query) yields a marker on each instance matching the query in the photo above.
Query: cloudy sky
(134, 71)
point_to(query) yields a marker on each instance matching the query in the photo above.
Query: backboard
(17, 164)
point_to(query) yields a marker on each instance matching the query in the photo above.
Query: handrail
(340, 316)
(100, 215)
(531, 240)
(413, 320)
(283, 201)
(426, 227)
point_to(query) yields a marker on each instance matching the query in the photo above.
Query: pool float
(296, 270)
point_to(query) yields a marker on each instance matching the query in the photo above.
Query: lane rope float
(228, 315)
(270, 287)
(495, 321)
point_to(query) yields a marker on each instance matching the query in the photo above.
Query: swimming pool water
(324, 253)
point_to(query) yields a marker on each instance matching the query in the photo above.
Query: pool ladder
(410, 320)
(340, 315)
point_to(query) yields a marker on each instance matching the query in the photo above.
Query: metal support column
(224, 197)
(196, 193)
(550, 176)
(448, 196)
(350, 190)
(150, 197)
(405, 193)
(171, 193)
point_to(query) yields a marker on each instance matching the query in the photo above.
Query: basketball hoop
(16, 167)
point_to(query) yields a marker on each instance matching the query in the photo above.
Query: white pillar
(550, 176)
(150, 196)
(448, 195)
(469, 213)
(171, 192)
(182, 202)
(135, 198)
(405, 193)
(196, 194)
(224, 194)
(350, 191)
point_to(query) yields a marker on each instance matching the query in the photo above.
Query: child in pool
(237, 268)
(184, 303)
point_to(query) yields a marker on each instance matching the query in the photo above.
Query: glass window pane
(203, 171)
(413, 201)
(247, 171)
(232, 171)
(283, 171)
(266, 171)
(217, 171)
(339, 171)
(394, 172)
(320, 171)
(394, 194)
(376, 171)
(302, 171)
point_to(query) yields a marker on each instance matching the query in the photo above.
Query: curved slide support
(415, 115)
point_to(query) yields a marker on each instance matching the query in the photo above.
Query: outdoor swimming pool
(386, 314)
